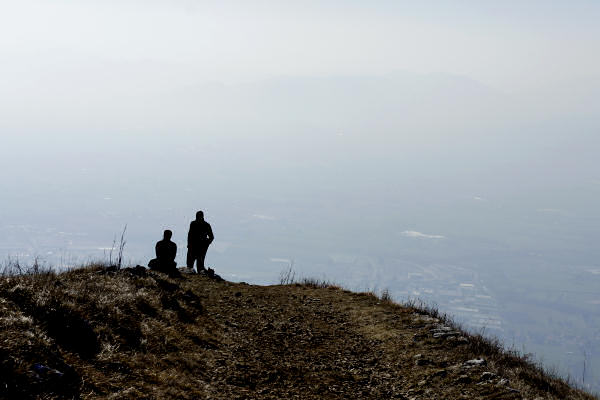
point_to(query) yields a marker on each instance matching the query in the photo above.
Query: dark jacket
(200, 234)
(166, 250)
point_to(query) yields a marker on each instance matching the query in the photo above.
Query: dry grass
(507, 362)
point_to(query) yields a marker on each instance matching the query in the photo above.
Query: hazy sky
(85, 47)
(90, 66)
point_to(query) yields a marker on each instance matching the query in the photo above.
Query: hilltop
(132, 333)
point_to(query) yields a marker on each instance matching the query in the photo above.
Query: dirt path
(302, 342)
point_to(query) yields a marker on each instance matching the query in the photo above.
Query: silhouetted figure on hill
(165, 254)
(200, 237)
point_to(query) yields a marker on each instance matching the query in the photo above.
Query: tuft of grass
(318, 283)
(288, 275)
(14, 267)
(118, 261)
(385, 296)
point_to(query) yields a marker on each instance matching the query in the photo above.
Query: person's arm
(190, 233)
(174, 252)
(156, 249)
(211, 237)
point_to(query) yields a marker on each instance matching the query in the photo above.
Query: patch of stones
(437, 330)
(444, 332)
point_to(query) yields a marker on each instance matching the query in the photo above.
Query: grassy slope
(91, 333)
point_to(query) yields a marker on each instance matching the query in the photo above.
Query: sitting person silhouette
(165, 254)
(200, 237)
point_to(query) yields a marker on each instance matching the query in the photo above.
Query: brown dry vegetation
(95, 333)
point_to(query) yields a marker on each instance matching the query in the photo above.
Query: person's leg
(200, 261)
(158, 265)
(201, 256)
(190, 258)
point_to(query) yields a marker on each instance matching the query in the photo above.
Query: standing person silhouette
(200, 237)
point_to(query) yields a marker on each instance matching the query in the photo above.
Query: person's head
(199, 216)
(167, 235)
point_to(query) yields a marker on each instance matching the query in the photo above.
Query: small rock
(502, 382)
(463, 379)
(312, 300)
(422, 361)
(422, 383)
(462, 340)
(443, 335)
(477, 362)
(441, 329)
